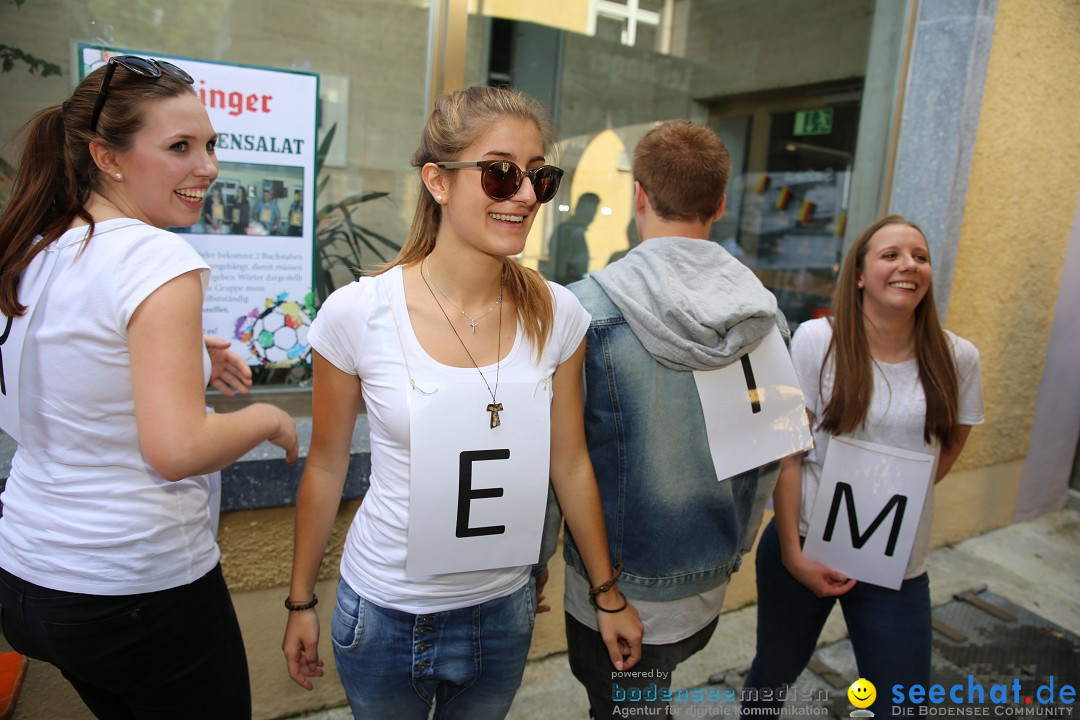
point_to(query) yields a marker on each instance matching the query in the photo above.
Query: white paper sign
(754, 411)
(477, 493)
(867, 510)
(13, 335)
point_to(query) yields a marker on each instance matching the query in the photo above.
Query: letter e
(466, 494)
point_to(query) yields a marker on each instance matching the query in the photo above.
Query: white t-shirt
(83, 510)
(665, 621)
(364, 329)
(896, 416)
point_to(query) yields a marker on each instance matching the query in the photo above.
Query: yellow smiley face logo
(862, 693)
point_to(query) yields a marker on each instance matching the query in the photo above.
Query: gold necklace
(495, 407)
(472, 320)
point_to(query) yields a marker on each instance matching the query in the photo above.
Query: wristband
(601, 589)
(296, 607)
(625, 602)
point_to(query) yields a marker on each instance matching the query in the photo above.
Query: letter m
(844, 494)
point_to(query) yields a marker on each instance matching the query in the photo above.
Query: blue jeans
(172, 654)
(889, 629)
(467, 662)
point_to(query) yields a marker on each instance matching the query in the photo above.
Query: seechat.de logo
(1053, 698)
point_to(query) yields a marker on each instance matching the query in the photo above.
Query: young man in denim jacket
(676, 303)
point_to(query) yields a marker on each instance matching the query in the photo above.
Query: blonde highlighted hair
(457, 121)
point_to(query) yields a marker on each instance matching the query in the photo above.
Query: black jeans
(890, 632)
(175, 653)
(642, 686)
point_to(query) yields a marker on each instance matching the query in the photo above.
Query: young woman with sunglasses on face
(108, 566)
(881, 369)
(452, 313)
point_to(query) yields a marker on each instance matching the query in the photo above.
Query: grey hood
(691, 304)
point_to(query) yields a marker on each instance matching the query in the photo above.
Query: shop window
(374, 54)
(629, 22)
(781, 83)
(789, 199)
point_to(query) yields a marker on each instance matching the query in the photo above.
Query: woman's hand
(622, 631)
(541, 581)
(575, 487)
(285, 435)
(301, 647)
(819, 579)
(229, 374)
(787, 498)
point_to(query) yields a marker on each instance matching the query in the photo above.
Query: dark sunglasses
(147, 67)
(501, 179)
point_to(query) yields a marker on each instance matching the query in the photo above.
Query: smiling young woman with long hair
(454, 347)
(881, 369)
(108, 566)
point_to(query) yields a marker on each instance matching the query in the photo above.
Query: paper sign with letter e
(477, 494)
(754, 411)
(867, 510)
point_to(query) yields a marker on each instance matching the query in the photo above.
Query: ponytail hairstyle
(853, 382)
(57, 173)
(458, 120)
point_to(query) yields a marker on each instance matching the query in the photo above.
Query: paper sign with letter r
(867, 510)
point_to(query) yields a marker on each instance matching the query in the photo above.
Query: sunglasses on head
(146, 67)
(501, 179)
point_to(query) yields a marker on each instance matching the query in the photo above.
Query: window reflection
(782, 84)
(762, 74)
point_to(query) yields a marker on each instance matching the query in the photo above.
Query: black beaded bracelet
(292, 607)
(625, 602)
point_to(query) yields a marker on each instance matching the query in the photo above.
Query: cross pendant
(494, 409)
(473, 326)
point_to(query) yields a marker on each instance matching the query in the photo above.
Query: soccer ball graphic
(276, 334)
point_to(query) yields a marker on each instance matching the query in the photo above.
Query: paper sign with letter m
(867, 510)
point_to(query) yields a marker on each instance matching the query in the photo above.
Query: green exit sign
(813, 122)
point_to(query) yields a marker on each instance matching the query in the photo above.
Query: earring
(118, 176)
(438, 198)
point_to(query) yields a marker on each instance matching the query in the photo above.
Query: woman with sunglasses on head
(881, 370)
(454, 335)
(108, 566)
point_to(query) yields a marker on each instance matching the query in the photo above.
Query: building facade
(958, 114)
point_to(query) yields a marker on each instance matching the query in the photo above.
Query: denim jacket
(676, 529)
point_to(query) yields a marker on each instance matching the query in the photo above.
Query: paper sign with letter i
(754, 411)
(867, 510)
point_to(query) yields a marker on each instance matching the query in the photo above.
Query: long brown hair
(458, 119)
(853, 381)
(56, 172)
